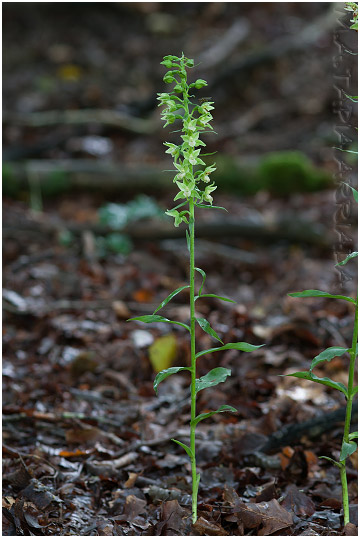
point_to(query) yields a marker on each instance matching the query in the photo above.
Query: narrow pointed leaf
(203, 274)
(240, 346)
(206, 327)
(318, 293)
(216, 297)
(166, 373)
(354, 391)
(354, 191)
(154, 318)
(185, 447)
(347, 449)
(169, 297)
(353, 435)
(187, 240)
(322, 380)
(328, 354)
(349, 257)
(212, 378)
(203, 206)
(331, 460)
(221, 409)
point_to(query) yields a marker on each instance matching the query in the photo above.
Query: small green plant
(192, 176)
(348, 445)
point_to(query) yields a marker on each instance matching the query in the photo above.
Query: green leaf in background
(118, 243)
(203, 274)
(221, 409)
(353, 98)
(166, 373)
(318, 293)
(216, 297)
(347, 449)
(169, 297)
(154, 318)
(212, 378)
(117, 216)
(185, 447)
(328, 354)
(206, 327)
(162, 352)
(240, 346)
(349, 257)
(353, 435)
(322, 380)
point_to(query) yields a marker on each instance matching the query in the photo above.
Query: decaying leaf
(206, 528)
(296, 501)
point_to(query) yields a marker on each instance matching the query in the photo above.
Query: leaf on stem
(322, 380)
(204, 206)
(240, 346)
(353, 435)
(187, 240)
(331, 460)
(185, 447)
(354, 191)
(328, 354)
(166, 373)
(154, 318)
(216, 297)
(212, 378)
(203, 274)
(206, 327)
(347, 449)
(221, 409)
(349, 257)
(169, 297)
(318, 293)
(354, 390)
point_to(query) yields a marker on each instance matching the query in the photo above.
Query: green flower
(207, 191)
(173, 149)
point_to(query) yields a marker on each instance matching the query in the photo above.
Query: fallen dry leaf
(296, 501)
(206, 528)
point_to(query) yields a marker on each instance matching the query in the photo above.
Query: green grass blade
(240, 346)
(169, 297)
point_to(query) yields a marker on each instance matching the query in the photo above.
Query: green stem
(193, 359)
(345, 495)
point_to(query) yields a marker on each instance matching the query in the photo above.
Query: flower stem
(195, 484)
(353, 352)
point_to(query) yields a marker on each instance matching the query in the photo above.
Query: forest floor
(87, 444)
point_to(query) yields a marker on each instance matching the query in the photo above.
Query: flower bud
(200, 83)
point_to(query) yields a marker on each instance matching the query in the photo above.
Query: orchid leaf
(169, 297)
(212, 378)
(206, 327)
(322, 380)
(186, 448)
(327, 355)
(216, 297)
(347, 449)
(166, 373)
(353, 435)
(349, 257)
(318, 293)
(331, 460)
(240, 346)
(154, 318)
(203, 274)
(221, 409)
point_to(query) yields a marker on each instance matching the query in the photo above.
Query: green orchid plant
(192, 177)
(348, 445)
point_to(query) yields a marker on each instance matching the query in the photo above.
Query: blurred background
(86, 244)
